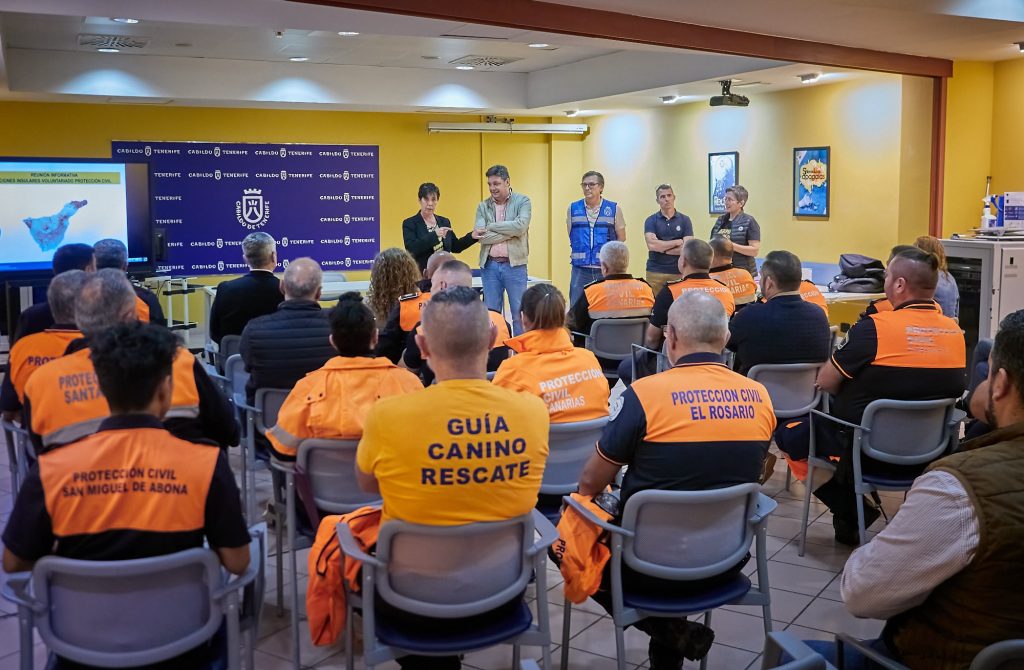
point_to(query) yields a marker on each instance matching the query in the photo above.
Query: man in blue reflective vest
(591, 222)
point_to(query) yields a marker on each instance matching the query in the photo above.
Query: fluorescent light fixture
(538, 45)
(669, 99)
(463, 67)
(347, 33)
(808, 78)
(298, 59)
(108, 50)
(510, 128)
(124, 20)
(1020, 47)
(571, 112)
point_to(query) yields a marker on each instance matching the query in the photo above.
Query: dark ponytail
(544, 306)
(352, 326)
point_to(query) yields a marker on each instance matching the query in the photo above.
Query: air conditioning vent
(484, 61)
(113, 41)
(748, 84)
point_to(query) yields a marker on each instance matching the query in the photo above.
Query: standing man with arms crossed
(591, 222)
(665, 232)
(428, 476)
(502, 225)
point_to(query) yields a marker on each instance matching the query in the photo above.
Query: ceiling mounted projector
(728, 99)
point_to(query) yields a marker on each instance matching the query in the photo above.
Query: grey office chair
(129, 613)
(802, 657)
(20, 453)
(683, 536)
(1005, 655)
(451, 572)
(612, 339)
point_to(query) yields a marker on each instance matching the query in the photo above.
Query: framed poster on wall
(723, 172)
(812, 183)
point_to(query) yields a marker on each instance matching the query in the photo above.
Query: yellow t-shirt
(458, 452)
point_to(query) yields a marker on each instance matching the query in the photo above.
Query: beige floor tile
(740, 630)
(802, 633)
(280, 645)
(723, 657)
(578, 621)
(783, 527)
(582, 660)
(825, 557)
(786, 605)
(831, 591)
(831, 616)
(798, 578)
(600, 639)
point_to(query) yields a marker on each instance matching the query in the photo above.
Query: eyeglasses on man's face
(590, 184)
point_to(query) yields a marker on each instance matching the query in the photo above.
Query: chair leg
(789, 477)
(707, 622)
(25, 625)
(516, 656)
(566, 623)
(279, 532)
(808, 487)
(620, 648)
(545, 654)
(860, 519)
(250, 652)
(349, 639)
(292, 540)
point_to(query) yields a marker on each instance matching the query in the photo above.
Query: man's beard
(990, 410)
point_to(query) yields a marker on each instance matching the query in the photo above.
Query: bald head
(435, 261)
(697, 322)
(105, 300)
(911, 275)
(456, 329)
(62, 294)
(696, 257)
(302, 280)
(451, 273)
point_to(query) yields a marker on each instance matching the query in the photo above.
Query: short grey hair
(111, 253)
(615, 255)
(595, 173)
(663, 187)
(302, 279)
(497, 171)
(62, 294)
(257, 248)
(106, 299)
(739, 193)
(698, 318)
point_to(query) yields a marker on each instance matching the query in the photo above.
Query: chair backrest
(569, 447)
(806, 663)
(128, 613)
(612, 338)
(450, 572)
(981, 352)
(790, 387)
(328, 467)
(230, 345)
(334, 277)
(234, 370)
(268, 402)
(1005, 655)
(906, 432)
(688, 535)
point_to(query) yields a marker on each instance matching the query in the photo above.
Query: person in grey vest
(591, 222)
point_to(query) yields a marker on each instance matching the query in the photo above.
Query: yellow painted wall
(969, 145)
(1008, 126)
(862, 119)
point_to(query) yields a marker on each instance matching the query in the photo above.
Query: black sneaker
(690, 638)
(847, 531)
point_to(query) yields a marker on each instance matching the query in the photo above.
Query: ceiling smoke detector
(484, 61)
(113, 41)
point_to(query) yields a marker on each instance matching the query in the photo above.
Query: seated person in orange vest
(111, 253)
(37, 318)
(912, 352)
(694, 266)
(406, 314)
(431, 474)
(151, 493)
(63, 401)
(674, 436)
(739, 281)
(786, 328)
(567, 379)
(944, 574)
(280, 348)
(456, 273)
(32, 351)
(332, 402)
(617, 295)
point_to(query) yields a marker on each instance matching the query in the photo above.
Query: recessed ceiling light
(463, 67)
(347, 33)
(430, 57)
(808, 78)
(538, 45)
(124, 20)
(669, 99)
(1020, 46)
(108, 50)
(298, 59)
(572, 112)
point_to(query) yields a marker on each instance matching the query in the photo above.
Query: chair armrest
(239, 582)
(548, 533)
(246, 407)
(592, 518)
(790, 645)
(16, 591)
(866, 651)
(576, 332)
(351, 549)
(840, 421)
(958, 416)
(765, 506)
(285, 467)
(639, 347)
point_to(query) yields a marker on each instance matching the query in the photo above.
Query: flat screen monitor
(49, 202)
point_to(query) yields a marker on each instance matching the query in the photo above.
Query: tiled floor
(805, 601)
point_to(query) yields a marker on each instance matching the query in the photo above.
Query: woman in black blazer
(427, 232)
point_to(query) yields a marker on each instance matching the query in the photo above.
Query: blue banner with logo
(321, 201)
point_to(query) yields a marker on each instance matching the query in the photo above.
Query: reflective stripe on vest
(619, 298)
(585, 241)
(739, 282)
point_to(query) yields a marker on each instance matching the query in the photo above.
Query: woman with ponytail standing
(568, 379)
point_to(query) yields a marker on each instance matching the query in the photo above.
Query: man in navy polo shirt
(665, 232)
